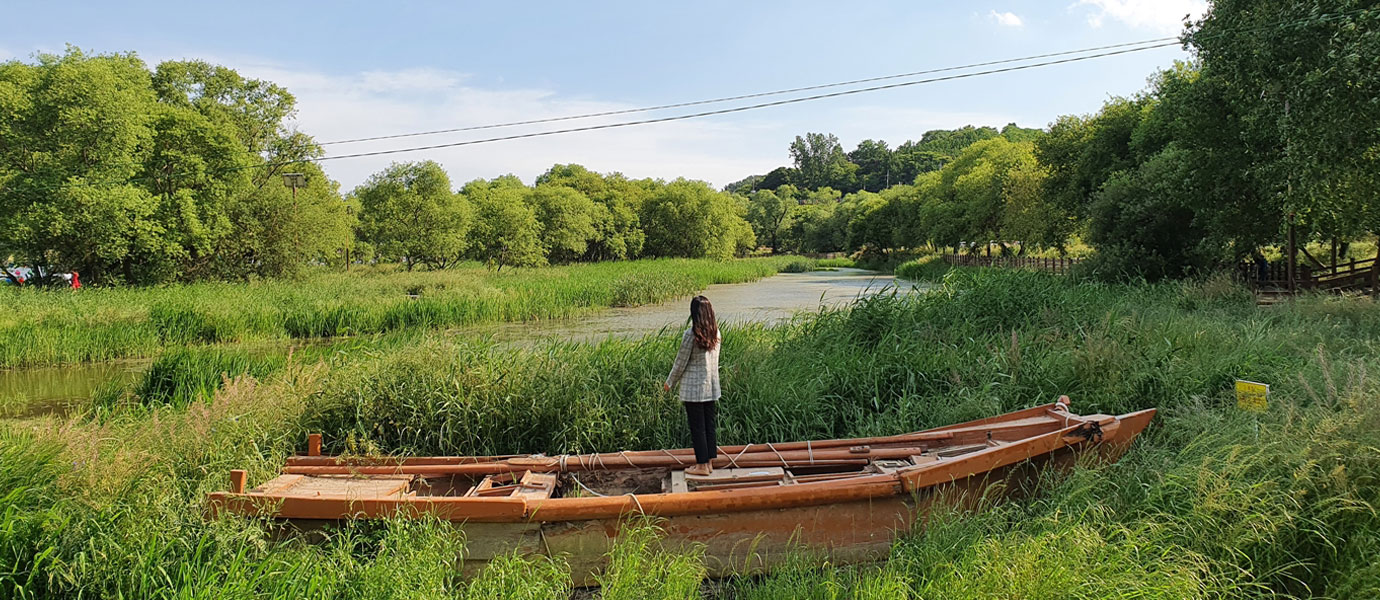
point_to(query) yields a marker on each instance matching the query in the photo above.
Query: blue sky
(362, 69)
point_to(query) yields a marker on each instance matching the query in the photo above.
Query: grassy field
(1211, 503)
(44, 327)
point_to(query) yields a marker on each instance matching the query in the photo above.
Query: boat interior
(620, 474)
(535, 477)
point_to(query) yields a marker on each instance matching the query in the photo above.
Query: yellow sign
(1252, 396)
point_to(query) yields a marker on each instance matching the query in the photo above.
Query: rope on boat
(585, 487)
(674, 457)
(783, 459)
(733, 462)
(810, 450)
(637, 502)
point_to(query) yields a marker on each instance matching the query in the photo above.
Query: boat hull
(741, 530)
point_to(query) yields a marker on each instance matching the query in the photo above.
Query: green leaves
(409, 213)
(689, 219)
(129, 176)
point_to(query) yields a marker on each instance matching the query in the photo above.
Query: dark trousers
(701, 416)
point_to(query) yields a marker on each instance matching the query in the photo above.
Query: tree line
(128, 174)
(134, 175)
(819, 160)
(409, 213)
(141, 176)
(1273, 127)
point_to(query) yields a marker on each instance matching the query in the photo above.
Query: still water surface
(768, 301)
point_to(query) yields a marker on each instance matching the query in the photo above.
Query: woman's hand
(665, 386)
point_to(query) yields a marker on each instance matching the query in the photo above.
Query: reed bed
(42, 327)
(1212, 502)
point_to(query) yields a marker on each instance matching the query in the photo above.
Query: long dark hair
(702, 321)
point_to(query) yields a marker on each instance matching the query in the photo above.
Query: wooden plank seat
(953, 451)
(924, 459)
(336, 486)
(733, 478)
(532, 485)
(887, 465)
(536, 485)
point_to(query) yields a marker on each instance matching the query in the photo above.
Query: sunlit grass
(51, 327)
(1210, 503)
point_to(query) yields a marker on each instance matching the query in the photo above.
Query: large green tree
(769, 215)
(820, 161)
(873, 158)
(1082, 152)
(618, 231)
(567, 219)
(506, 230)
(409, 212)
(128, 175)
(1301, 81)
(689, 219)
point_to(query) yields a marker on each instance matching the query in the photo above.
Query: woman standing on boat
(697, 371)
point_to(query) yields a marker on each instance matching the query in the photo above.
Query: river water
(768, 301)
(43, 390)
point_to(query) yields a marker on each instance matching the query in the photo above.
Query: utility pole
(294, 181)
(1293, 261)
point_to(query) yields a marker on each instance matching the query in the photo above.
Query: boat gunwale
(300, 464)
(912, 479)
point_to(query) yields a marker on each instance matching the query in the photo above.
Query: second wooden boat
(844, 499)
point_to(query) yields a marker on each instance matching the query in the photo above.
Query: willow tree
(408, 212)
(1303, 79)
(131, 175)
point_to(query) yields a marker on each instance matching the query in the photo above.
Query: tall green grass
(1210, 503)
(52, 327)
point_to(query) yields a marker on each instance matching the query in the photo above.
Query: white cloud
(365, 104)
(1006, 19)
(1162, 16)
(715, 149)
(720, 150)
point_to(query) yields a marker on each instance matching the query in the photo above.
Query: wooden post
(1375, 273)
(1293, 259)
(313, 444)
(238, 478)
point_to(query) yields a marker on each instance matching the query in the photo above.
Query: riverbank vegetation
(1270, 127)
(40, 327)
(1265, 131)
(1212, 502)
(270, 307)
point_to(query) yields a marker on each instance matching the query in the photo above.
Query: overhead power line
(735, 109)
(1323, 18)
(1126, 48)
(743, 96)
(723, 111)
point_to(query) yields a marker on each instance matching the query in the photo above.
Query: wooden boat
(844, 499)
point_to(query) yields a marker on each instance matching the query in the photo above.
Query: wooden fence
(1347, 276)
(1050, 265)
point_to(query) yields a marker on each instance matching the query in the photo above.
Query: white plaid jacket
(696, 369)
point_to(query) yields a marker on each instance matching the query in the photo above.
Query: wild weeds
(54, 327)
(1210, 503)
(640, 569)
